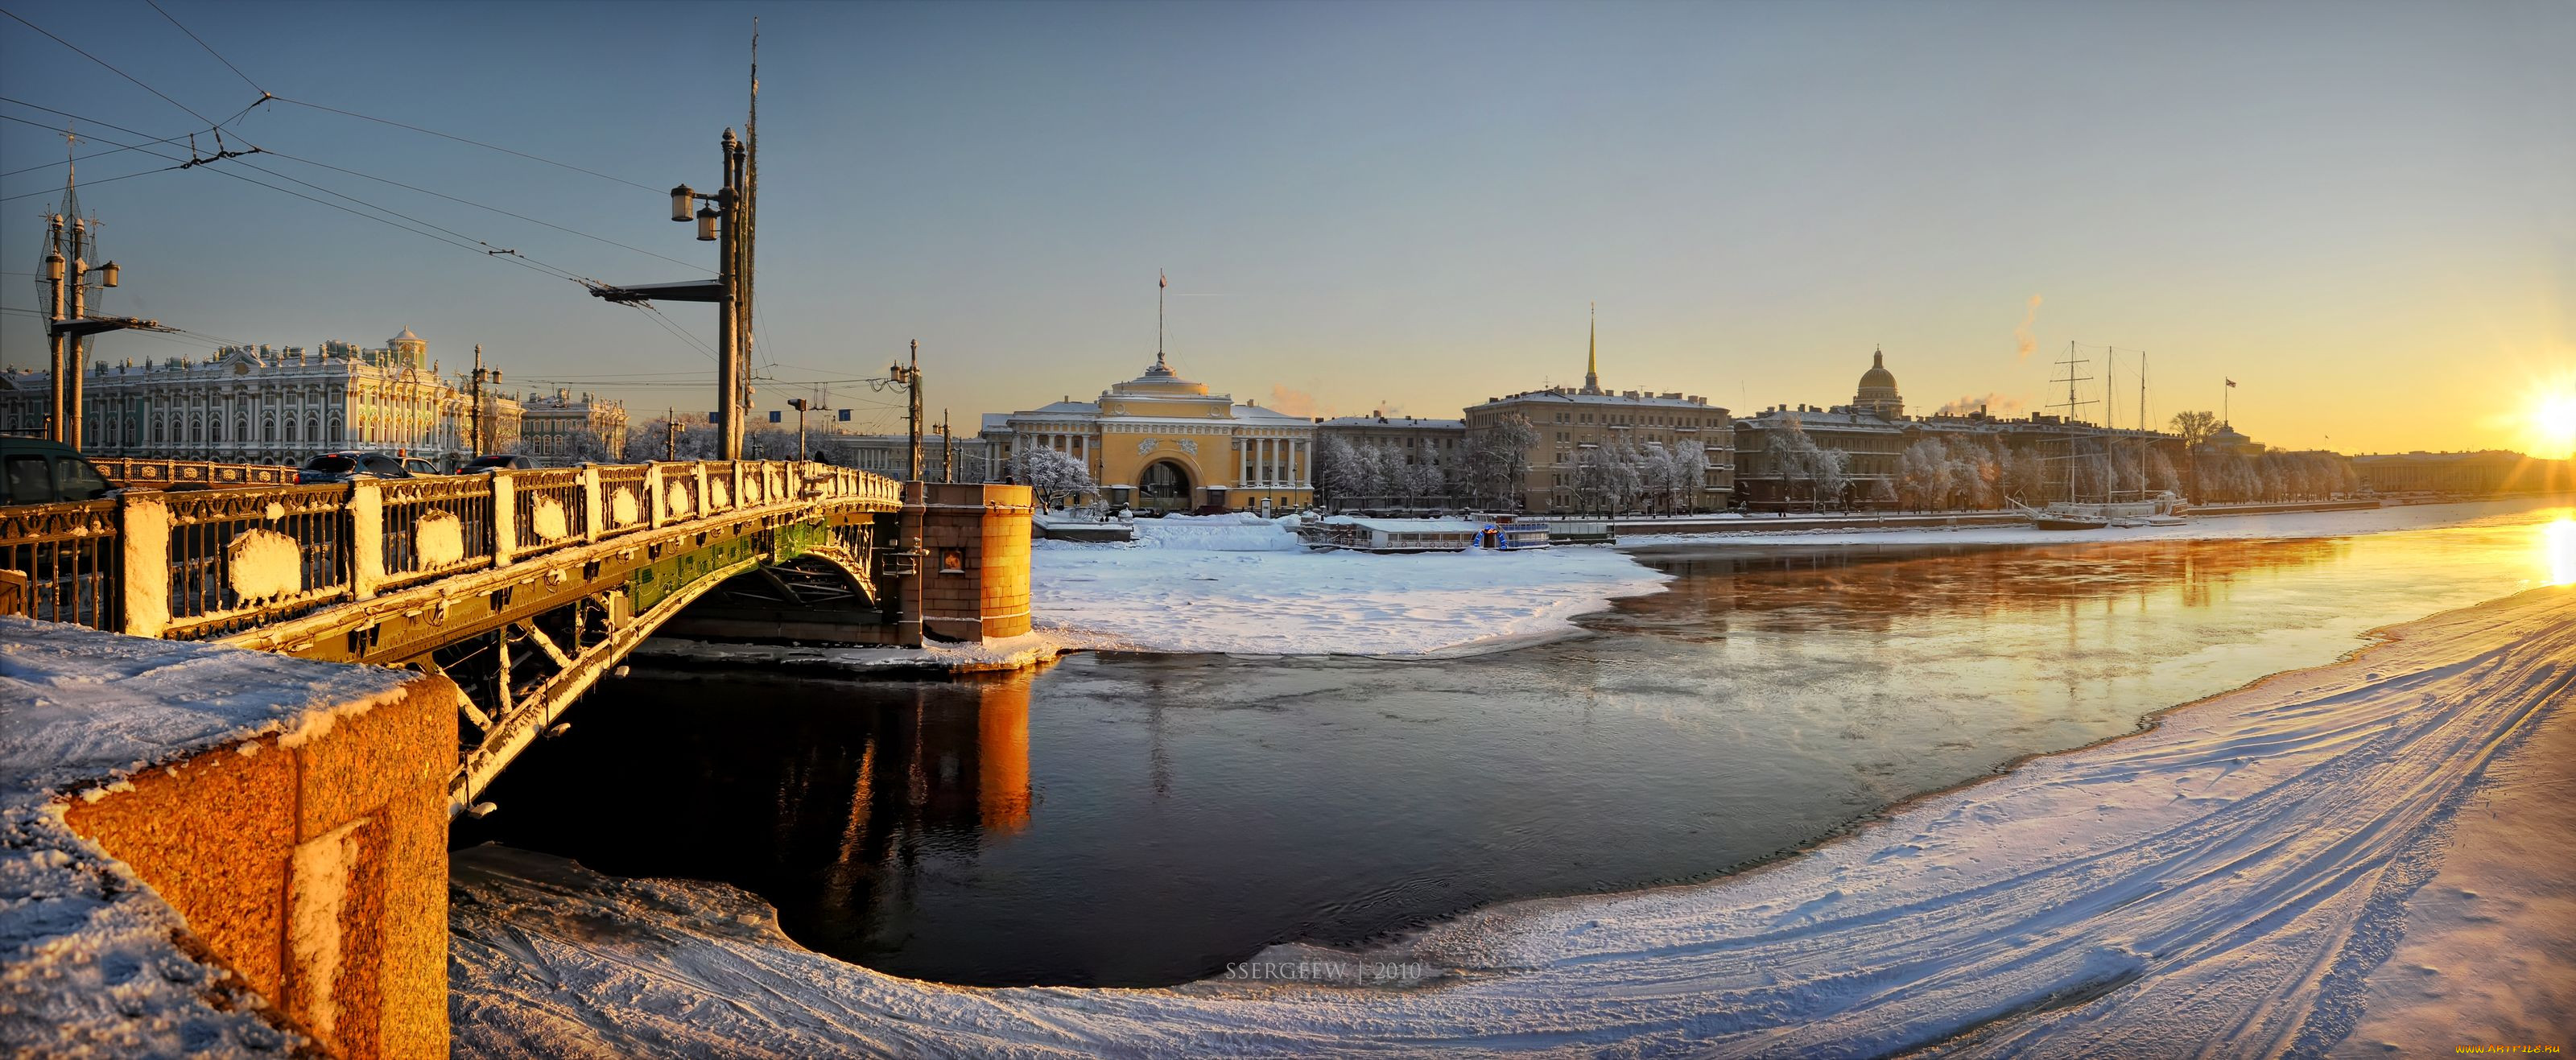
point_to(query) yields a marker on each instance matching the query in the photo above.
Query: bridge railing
(430, 527)
(552, 509)
(145, 471)
(624, 503)
(71, 554)
(239, 554)
(209, 563)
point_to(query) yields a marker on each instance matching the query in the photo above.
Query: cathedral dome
(1878, 389)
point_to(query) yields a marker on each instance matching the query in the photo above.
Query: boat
(1388, 535)
(2163, 510)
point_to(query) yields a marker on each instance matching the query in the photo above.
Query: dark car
(498, 462)
(350, 467)
(44, 472)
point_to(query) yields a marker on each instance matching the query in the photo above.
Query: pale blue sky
(2364, 213)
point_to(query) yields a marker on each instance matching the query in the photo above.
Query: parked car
(419, 465)
(45, 472)
(353, 465)
(498, 462)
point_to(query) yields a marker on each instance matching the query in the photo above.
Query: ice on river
(2232, 876)
(1242, 585)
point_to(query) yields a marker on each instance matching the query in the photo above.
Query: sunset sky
(2365, 214)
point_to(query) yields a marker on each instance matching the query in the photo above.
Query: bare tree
(1498, 458)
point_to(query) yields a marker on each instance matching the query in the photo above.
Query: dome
(1878, 389)
(1878, 377)
(406, 336)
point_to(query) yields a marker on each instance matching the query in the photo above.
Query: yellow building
(1161, 442)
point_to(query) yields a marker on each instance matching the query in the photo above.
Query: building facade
(1162, 442)
(2473, 474)
(257, 404)
(1575, 425)
(560, 428)
(969, 460)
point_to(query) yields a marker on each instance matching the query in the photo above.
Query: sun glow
(2558, 550)
(2551, 422)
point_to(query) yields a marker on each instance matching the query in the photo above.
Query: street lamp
(723, 217)
(53, 266)
(109, 271)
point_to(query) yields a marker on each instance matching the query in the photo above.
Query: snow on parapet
(92, 962)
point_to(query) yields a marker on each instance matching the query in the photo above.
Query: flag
(1161, 280)
(2231, 382)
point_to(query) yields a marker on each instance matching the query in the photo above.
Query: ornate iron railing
(140, 471)
(552, 509)
(253, 553)
(228, 559)
(434, 526)
(70, 554)
(624, 503)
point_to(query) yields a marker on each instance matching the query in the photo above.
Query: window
(29, 482)
(80, 482)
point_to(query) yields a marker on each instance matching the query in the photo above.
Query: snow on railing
(244, 553)
(207, 563)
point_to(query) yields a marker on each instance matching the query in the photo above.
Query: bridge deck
(522, 587)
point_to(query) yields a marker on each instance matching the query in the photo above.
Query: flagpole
(1162, 287)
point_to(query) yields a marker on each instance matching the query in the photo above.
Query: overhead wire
(451, 237)
(480, 206)
(111, 67)
(210, 49)
(466, 140)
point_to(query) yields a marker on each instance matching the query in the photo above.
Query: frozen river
(1134, 820)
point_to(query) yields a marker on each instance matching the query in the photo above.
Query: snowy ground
(2285, 525)
(2237, 876)
(89, 962)
(1244, 586)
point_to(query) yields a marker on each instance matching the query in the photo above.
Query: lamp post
(68, 278)
(802, 407)
(723, 218)
(474, 388)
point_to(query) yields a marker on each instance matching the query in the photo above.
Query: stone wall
(317, 871)
(974, 581)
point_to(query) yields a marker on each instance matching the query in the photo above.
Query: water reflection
(1142, 820)
(2558, 550)
(1874, 587)
(831, 806)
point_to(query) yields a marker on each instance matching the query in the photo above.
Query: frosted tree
(583, 445)
(1055, 477)
(1498, 459)
(1339, 471)
(1424, 484)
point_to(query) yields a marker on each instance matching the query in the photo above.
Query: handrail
(232, 558)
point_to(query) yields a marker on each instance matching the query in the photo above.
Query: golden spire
(1592, 365)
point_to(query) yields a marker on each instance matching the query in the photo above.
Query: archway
(1164, 484)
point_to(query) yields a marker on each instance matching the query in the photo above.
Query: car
(38, 471)
(498, 462)
(352, 465)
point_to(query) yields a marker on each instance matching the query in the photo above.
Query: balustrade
(212, 562)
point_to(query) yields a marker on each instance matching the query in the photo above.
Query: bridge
(524, 588)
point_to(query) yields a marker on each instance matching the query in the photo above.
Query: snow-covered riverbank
(2237, 875)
